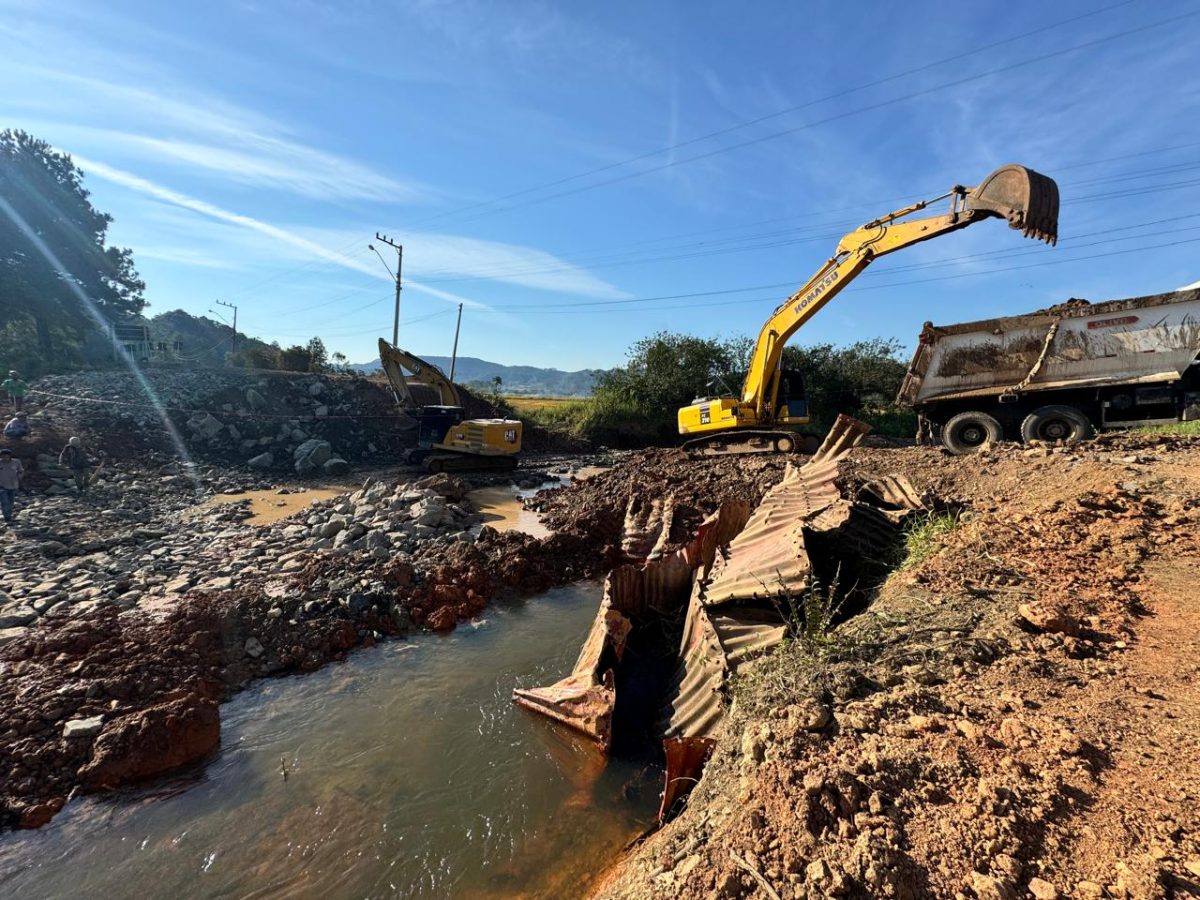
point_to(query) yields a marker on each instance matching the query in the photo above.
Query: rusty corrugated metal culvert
(734, 585)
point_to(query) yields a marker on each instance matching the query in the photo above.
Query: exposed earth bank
(1016, 715)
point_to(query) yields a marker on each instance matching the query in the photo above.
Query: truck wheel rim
(1055, 430)
(972, 434)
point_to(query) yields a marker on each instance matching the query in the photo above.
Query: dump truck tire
(1051, 424)
(968, 431)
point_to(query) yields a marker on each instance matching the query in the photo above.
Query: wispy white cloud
(453, 257)
(202, 207)
(207, 136)
(185, 256)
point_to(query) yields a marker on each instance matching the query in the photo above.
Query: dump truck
(1059, 374)
(772, 404)
(447, 441)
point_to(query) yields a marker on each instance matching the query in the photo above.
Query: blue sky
(249, 151)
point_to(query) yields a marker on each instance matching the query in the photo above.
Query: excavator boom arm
(1027, 199)
(395, 361)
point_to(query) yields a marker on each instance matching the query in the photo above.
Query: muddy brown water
(269, 506)
(503, 506)
(410, 774)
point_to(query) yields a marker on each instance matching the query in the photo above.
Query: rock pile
(314, 424)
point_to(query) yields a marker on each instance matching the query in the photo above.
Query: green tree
(41, 191)
(295, 358)
(862, 377)
(339, 360)
(254, 355)
(670, 370)
(318, 356)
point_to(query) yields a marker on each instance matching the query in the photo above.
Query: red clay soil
(1016, 715)
(596, 506)
(156, 681)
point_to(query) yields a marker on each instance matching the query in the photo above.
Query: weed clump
(924, 536)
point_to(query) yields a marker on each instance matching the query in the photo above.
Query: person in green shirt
(15, 388)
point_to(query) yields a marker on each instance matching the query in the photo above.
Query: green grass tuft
(924, 537)
(1192, 428)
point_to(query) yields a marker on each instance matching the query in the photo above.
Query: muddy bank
(598, 504)
(986, 726)
(121, 635)
(394, 758)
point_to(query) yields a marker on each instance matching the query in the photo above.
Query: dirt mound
(1015, 715)
(597, 505)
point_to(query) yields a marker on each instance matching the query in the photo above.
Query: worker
(17, 427)
(10, 482)
(75, 458)
(15, 388)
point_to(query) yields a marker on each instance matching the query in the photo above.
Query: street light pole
(454, 352)
(232, 340)
(399, 266)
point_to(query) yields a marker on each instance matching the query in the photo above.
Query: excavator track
(737, 443)
(468, 462)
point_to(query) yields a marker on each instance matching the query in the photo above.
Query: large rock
(1048, 617)
(149, 742)
(448, 486)
(256, 400)
(312, 455)
(443, 618)
(262, 462)
(206, 426)
(83, 727)
(333, 526)
(16, 616)
(335, 465)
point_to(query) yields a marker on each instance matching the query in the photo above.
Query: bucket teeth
(1027, 199)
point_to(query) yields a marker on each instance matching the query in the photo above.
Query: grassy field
(534, 405)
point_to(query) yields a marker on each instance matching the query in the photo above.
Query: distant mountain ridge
(205, 342)
(528, 380)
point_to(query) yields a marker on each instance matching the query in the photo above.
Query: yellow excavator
(446, 440)
(772, 402)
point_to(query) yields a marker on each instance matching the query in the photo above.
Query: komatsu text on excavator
(772, 402)
(446, 440)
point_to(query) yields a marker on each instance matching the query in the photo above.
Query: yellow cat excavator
(446, 441)
(772, 400)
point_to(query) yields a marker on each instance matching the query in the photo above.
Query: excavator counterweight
(1027, 199)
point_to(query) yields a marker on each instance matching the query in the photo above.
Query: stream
(410, 773)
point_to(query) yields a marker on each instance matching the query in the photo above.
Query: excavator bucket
(1027, 199)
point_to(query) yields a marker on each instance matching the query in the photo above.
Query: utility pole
(399, 265)
(454, 352)
(233, 340)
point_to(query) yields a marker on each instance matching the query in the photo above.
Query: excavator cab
(792, 399)
(434, 421)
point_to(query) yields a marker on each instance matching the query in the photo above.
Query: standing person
(15, 388)
(17, 427)
(75, 458)
(10, 481)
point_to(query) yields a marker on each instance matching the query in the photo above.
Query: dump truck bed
(1140, 340)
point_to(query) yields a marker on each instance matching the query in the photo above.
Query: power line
(783, 112)
(713, 248)
(775, 298)
(843, 115)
